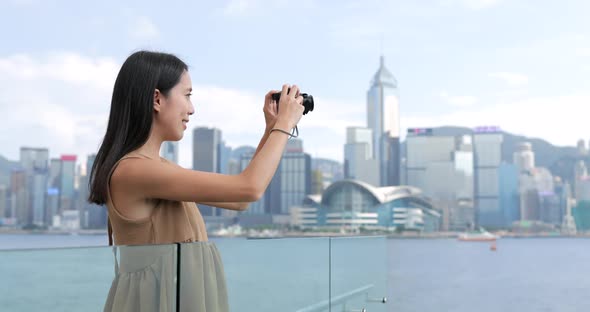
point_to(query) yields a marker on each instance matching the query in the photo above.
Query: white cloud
(59, 101)
(459, 100)
(22, 2)
(365, 31)
(583, 51)
(472, 4)
(66, 67)
(143, 28)
(513, 79)
(238, 8)
(68, 114)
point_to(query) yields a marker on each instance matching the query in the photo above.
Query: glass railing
(359, 274)
(288, 274)
(276, 274)
(72, 279)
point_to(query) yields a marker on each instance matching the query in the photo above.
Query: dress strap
(116, 261)
(110, 231)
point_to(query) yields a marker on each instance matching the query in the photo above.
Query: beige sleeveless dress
(145, 276)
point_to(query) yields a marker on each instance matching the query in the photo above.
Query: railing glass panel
(85, 279)
(359, 274)
(275, 274)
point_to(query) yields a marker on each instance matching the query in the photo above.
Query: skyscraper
(34, 162)
(66, 177)
(524, 157)
(54, 173)
(51, 205)
(582, 150)
(509, 193)
(3, 201)
(583, 189)
(423, 148)
(38, 188)
(33, 158)
(89, 163)
(91, 215)
(569, 224)
(207, 157)
(488, 158)
(206, 149)
(359, 162)
(383, 118)
(288, 187)
(235, 162)
(431, 159)
(169, 150)
(18, 197)
(237, 153)
(580, 173)
(52, 199)
(295, 177)
(224, 152)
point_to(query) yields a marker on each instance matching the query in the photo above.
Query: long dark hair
(130, 119)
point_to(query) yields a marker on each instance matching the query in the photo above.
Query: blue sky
(520, 64)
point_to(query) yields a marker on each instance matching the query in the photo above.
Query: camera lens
(307, 101)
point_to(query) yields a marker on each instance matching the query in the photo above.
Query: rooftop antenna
(381, 50)
(381, 43)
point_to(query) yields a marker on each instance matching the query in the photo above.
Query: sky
(523, 65)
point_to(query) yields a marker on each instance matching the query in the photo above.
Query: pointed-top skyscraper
(383, 118)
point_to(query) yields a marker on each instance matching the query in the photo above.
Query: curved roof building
(353, 203)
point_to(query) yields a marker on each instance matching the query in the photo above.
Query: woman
(152, 201)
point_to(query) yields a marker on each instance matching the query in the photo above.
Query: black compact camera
(307, 101)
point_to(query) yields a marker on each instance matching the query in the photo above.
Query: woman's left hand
(271, 110)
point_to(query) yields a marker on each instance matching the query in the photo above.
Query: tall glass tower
(383, 118)
(206, 157)
(35, 163)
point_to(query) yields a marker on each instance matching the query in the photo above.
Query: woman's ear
(157, 100)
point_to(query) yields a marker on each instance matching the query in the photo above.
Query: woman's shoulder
(132, 165)
(137, 172)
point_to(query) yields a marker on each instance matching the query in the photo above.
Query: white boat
(477, 236)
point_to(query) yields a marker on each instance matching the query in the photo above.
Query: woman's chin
(176, 137)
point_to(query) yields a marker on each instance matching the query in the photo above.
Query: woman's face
(174, 109)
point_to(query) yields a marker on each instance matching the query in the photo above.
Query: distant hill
(546, 154)
(328, 166)
(560, 160)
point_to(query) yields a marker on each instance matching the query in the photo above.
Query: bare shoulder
(120, 178)
(132, 174)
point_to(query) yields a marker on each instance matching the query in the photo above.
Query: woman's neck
(151, 148)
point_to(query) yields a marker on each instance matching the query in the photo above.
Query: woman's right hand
(290, 107)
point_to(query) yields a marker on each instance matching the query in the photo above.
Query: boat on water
(265, 234)
(477, 236)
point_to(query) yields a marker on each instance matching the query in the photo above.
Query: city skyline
(60, 86)
(82, 158)
(42, 188)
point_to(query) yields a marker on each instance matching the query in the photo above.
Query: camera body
(307, 101)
